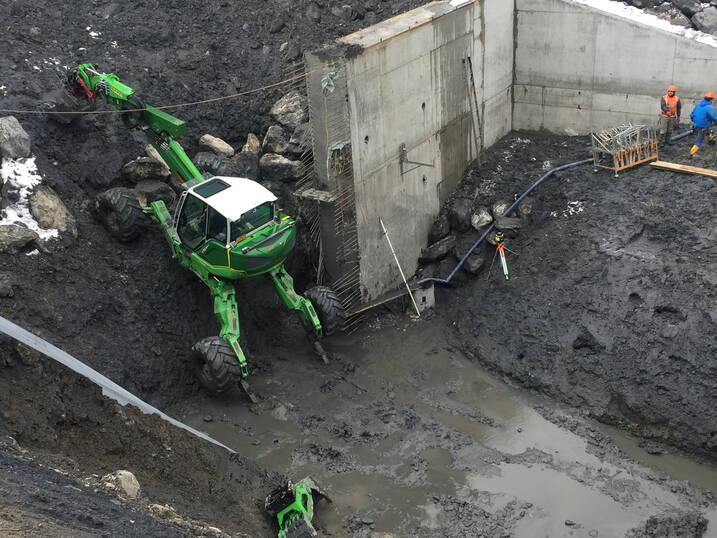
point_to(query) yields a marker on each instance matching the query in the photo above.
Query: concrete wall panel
(408, 86)
(619, 67)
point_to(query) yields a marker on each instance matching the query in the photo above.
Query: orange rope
(165, 107)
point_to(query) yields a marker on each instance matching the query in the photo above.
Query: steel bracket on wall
(403, 159)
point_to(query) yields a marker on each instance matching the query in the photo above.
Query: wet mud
(410, 437)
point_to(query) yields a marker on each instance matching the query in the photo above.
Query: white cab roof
(242, 195)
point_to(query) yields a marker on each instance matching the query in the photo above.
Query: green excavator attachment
(293, 507)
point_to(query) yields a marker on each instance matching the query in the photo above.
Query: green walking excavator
(222, 229)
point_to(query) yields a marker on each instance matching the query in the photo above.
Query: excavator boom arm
(158, 127)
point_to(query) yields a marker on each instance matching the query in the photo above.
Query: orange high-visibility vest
(671, 103)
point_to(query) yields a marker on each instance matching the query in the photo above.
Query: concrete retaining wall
(408, 85)
(578, 68)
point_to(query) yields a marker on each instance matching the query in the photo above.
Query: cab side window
(192, 224)
(216, 225)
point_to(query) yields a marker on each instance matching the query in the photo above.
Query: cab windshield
(252, 219)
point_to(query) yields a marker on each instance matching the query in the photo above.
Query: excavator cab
(234, 226)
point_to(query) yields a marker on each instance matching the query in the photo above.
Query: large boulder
(152, 152)
(51, 213)
(245, 164)
(474, 263)
(439, 249)
(14, 237)
(211, 163)
(144, 168)
(124, 483)
(481, 218)
(706, 20)
(152, 190)
(673, 15)
(459, 214)
(688, 7)
(300, 141)
(275, 140)
(277, 168)
(499, 207)
(645, 3)
(439, 229)
(14, 141)
(216, 145)
(291, 110)
(252, 144)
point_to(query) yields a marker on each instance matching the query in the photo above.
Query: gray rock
(370, 18)
(440, 228)
(459, 214)
(152, 191)
(6, 286)
(509, 226)
(151, 152)
(474, 263)
(252, 144)
(688, 7)
(14, 141)
(291, 110)
(706, 20)
(275, 140)
(438, 250)
(525, 208)
(216, 145)
(300, 141)
(673, 15)
(143, 168)
(51, 213)
(211, 163)
(293, 52)
(274, 167)
(245, 164)
(124, 482)
(14, 237)
(9, 194)
(645, 3)
(498, 208)
(481, 218)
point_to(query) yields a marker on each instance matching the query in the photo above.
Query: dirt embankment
(67, 424)
(611, 299)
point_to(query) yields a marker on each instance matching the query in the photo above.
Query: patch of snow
(113, 44)
(547, 165)
(23, 175)
(635, 14)
(3, 90)
(457, 3)
(36, 68)
(34, 252)
(573, 209)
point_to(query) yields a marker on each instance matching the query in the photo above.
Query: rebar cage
(623, 147)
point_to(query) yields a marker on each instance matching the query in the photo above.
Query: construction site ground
(481, 419)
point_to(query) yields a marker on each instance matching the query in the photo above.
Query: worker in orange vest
(670, 112)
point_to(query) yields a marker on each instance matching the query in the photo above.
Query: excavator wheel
(121, 213)
(219, 369)
(328, 307)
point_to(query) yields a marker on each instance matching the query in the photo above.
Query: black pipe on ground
(490, 228)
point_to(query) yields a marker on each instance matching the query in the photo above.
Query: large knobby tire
(328, 307)
(219, 369)
(121, 213)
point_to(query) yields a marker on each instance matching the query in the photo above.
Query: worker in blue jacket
(703, 116)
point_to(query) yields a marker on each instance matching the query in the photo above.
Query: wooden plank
(684, 168)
